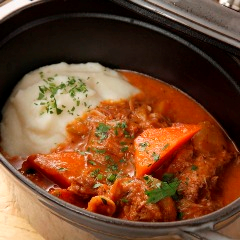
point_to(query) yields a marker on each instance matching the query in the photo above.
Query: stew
(158, 156)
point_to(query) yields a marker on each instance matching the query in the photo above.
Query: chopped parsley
(50, 88)
(112, 177)
(124, 200)
(194, 167)
(91, 162)
(155, 156)
(95, 172)
(104, 201)
(101, 151)
(62, 169)
(164, 190)
(165, 146)
(113, 167)
(124, 149)
(143, 146)
(148, 179)
(122, 160)
(83, 153)
(121, 125)
(167, 177)
(99, 177)
(102, 131)
(180, 215)
(97, 185)
(116, 131)
(109, 159)
(126, 134)
(71, 111)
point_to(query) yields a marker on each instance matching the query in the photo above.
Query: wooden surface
(12, 226)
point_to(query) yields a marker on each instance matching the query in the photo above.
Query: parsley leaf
(91, 162)
(102, 130)
(143, 146)
(124, 149)
(165, 146)
(51, 88)
(112, 177)
(155, 156)
(61, 169)
(101, 151)
(165, 190)
(97, 185)
(168, 177)
(194, 168)
(95, 172)
(104, 201)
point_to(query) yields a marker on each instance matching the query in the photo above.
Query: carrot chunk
(69, 197)
(154, 146)
(59, 167)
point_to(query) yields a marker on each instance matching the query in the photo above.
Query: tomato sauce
(175, 104)
(181, 108)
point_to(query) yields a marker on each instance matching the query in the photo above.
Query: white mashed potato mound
(35, 122)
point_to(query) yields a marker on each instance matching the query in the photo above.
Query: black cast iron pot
(75, 31)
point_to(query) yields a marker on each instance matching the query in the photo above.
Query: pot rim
(201, 222)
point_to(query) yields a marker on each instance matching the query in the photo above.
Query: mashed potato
(45, 100)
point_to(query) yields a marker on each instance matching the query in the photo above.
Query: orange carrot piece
(59, 167)
(154, 146)
(69, 197)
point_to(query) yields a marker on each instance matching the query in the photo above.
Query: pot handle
(206, 234)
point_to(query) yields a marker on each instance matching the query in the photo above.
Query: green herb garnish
(92, 162)
(99, 177)
(165, 146)
(180, 215)
(167, 177)
(112, 177)
(143, 146)
(101, 151)
(124, 200)
(104, 201)
(155, 156)
(113, 167)
(102, 131)
(47, 93)
(165, 190)
(148, 179)
(124, 149)
(95, 172)
(97, 185)
(62, 169)
(194, 167)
